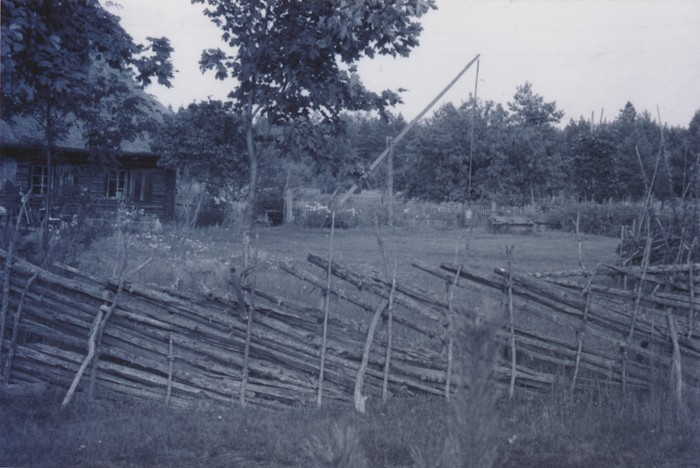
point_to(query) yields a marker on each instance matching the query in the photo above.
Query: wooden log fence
(183, 350)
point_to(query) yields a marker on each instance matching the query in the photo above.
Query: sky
(591, 57)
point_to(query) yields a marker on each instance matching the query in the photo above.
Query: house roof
(26, 132)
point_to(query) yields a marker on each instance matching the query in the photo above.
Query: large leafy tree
(534, 164)
(438, 161)
(70, 61)
(591, 155)
(294, 60)
(200, 142)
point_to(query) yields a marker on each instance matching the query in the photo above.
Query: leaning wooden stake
(326, 311)
(511, 319)
(15, 330)
(580, 333)
(248, 333)
(450, 330)
(95, 333)
(95, 338)
(7, 271)
(171, 358)
(389, 336)
(98, 344)
(635, 310)
(691, 280)
(360, 376)
(91, 353)
(676, 377)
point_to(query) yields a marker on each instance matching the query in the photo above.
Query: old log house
(80, 177)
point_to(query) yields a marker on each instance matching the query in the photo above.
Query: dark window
(140, 185)
(40, 180)
(116, 184)
(129, 185)
(69, 176)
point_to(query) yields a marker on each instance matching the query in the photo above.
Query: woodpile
(118, 338)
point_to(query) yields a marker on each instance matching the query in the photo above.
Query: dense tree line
(515, 153)
(519, 154)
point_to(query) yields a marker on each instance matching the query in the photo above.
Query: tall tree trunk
(253, 160)
(47, 194)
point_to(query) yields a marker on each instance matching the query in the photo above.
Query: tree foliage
(512, 155)
(69, 55)
(201, 141)
(519, 154)
(69, 63)
(293, 61)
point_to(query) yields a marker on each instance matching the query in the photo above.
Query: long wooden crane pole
(403, 133)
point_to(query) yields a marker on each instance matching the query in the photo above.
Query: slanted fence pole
(450, 331)
(580, 333)
(7, 271)
(171, 358)
(248, 336)
(326, 311)
(511, 319)
(358, 398)
(15, 330)
(389, 337)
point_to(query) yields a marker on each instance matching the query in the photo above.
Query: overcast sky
(586, 55)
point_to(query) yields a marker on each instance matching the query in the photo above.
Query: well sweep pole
(405, 131)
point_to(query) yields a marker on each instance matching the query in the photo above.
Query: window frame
(42, 178)
(118, 184)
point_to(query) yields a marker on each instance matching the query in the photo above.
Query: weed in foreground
(340, 449)
(472, 421)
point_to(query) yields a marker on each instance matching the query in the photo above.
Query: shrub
(595, 218)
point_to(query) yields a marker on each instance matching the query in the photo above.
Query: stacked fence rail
(159, 344)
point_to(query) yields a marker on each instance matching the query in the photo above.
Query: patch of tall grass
(477, 427)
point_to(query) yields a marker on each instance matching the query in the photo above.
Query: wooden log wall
(163, 345)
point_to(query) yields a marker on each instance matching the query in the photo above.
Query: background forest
(480, 150)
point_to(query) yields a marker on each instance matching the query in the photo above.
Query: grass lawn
(479, 428)
(207, 252)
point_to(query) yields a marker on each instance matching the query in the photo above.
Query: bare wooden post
(248, 334)
(635, 310)
(691, 281)
(580, 333)
(171, 358)
(7, 272)
(676, 377)
(451, 328)
(360, 376)
(326, 311)
(98, 325)
(390, 182)
(91, 352)
(389, 327)
(511, 319)
(15, 330)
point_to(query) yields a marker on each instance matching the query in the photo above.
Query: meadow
(481, 427)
